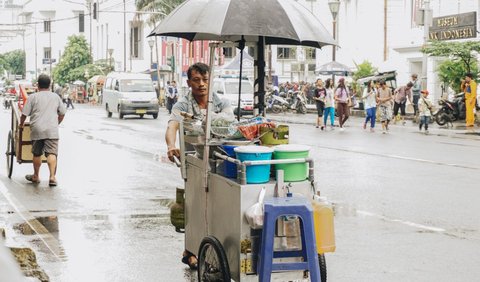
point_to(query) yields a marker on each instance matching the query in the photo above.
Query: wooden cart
(19, 144)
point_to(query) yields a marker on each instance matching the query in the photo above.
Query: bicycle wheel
(212, 261)
(10, 154)
(323, 267)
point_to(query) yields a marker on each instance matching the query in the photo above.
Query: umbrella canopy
(79, 82)
(278, 21)
(334, 68)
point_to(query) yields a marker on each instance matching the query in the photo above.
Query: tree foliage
(75, 56)
(451, 72)
(363, 70)
(463, 52)
(164, 7)
(13, 62)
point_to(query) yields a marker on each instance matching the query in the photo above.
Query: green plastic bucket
(292, 172)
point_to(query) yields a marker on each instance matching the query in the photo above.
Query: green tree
(76, 55)
(462, 58)
(451, 72)
(163, 7)
(14, 62)
(363, 70)
(462, 52)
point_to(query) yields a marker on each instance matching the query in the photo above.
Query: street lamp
(150, 43)
(334, 6)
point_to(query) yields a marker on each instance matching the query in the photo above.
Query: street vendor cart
(229, 244)
(19, 144)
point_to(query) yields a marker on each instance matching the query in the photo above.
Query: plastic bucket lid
(290, 148)
(253, 149)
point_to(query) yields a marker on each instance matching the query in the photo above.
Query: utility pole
(36, 67)
(124, 38)
(426, 30)
(90, 21)
(385, 22)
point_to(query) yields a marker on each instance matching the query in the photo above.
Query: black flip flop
(52, 183)
(29, 177)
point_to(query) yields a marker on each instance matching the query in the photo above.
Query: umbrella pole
(241, 46)
(208, 118)
(259, 97)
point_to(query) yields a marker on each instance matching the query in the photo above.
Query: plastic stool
(274, 208)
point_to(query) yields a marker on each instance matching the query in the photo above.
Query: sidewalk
(458, 130)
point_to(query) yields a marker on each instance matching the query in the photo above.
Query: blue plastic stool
(274, 208)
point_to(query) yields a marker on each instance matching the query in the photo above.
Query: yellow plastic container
(323, 222)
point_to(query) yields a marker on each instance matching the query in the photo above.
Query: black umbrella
(277, 21)
(263, 21)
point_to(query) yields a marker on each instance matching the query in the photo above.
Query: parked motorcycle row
(286, 102)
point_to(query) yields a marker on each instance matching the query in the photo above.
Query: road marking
(405, 222)
(399, 157)
(41, 232)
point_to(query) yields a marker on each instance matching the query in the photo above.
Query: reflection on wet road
(404, 208)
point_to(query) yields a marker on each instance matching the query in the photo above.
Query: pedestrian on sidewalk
(401, 95)
(319, 97)
(469, 87)
(342, 97)
(46, 112)
(370, 96)
(172, 95)
(425, 110)
(329, 104)
(384, 102)
(70, 98)
(415, 95)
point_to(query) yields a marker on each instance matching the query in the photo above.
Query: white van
(129, 94)
(228, 89)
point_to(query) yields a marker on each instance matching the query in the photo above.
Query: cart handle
(242, 166)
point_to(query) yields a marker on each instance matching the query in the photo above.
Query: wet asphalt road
(406, 204)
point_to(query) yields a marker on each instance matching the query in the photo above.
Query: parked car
(228, 89)
(129, 94)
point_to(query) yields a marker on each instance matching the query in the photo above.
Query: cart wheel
(212, 261)
(323, 267)
(9, 154)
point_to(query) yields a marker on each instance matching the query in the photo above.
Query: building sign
(460, 26)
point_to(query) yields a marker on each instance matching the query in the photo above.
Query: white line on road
(398, 157)
(40, 231)
(409, 223)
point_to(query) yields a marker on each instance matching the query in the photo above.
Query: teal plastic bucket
(255, 173)
(230, 169)
(292, 172)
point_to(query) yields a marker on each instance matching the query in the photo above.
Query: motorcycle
(285, 102)
(451, 111)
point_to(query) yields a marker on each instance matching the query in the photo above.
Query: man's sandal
(186, 260)
(29, 177)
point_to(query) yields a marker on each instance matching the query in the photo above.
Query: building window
(81, 22)
(47, 26)
(286, 53)
(228, 52)
(135, 40)
(47, 53)
(310, 53)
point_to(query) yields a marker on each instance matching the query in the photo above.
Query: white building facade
(380, 31)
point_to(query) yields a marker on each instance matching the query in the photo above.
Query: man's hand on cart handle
(173, 152)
